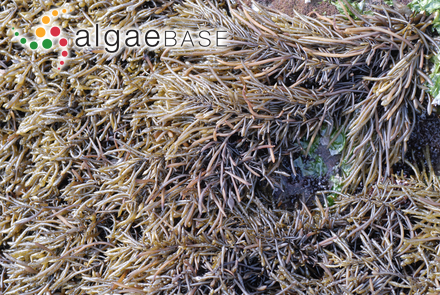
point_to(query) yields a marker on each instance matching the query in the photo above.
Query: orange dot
(64, 10)
(55, 12)
(45, 19)
(40, 32)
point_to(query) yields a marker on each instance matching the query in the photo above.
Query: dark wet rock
(426, 134)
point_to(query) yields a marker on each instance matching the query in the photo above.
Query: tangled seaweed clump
(179, 171)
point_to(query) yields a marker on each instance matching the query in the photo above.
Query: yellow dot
(40, 32)
(55, 12)
(45, 19)
(64, 10)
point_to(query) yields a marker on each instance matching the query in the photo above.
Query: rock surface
(320, 6)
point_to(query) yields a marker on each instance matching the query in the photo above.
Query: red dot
(61, 62)
(63, 42)
(58, 68)
(55, 31)
(64, 53)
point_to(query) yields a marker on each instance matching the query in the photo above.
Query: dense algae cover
(265, 167)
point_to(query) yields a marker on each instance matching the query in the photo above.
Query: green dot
(47, 43)
(33, 45)
(23, 40)
(13, 28)
(16, 34)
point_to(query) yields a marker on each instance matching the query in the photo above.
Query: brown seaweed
(153, 172)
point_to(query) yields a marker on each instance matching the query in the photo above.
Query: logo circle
(55, 31)
(40, 32)
(33, 45)
(45, 19)
(47, 43)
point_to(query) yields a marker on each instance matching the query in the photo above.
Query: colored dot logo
(40, 32)
(45, 20)
(55, 31)
(47, 43)
(49, 35)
